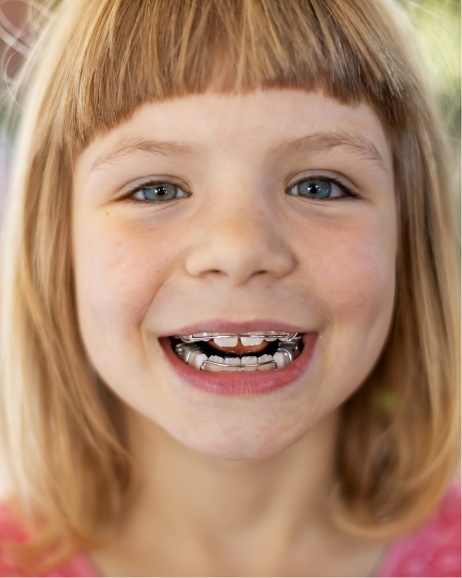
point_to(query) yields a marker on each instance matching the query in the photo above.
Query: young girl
(229, 334)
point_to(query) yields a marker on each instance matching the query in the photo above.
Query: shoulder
(435, 549)
(12, 534)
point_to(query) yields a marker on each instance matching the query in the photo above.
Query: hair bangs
(123, 54)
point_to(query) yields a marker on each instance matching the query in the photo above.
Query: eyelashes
(318, 187)
(157, 192)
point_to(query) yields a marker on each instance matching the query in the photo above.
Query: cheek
(362, 308)
(361, 277)
(354, 271)
(355, 267)
(117, 275)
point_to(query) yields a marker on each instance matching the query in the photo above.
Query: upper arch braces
(284, 336)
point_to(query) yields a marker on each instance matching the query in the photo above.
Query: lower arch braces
(211, 365)
(288, 351)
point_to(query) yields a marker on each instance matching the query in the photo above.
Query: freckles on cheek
(360, 271)
(115, 279)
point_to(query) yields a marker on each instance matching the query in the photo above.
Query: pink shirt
(434, 550)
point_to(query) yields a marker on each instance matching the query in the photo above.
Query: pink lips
(241, 383)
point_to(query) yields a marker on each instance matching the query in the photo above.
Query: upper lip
(235, 328)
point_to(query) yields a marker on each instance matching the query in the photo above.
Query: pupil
(159, 192)
(320, 189)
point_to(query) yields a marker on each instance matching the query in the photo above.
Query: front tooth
(232, 361)
(226, 341)
(249, 360)
(249, 341)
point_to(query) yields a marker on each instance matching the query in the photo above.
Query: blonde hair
(97, 61)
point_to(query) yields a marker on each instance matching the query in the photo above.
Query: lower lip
(243, 382)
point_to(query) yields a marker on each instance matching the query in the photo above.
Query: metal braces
(289, 349)
(272, 335)
(207, 364)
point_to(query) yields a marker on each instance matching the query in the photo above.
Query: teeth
(232, 361)
(226, 341)
(266, 366)
(280, 359)
(249, 341)
(215, 366)
(249, 360)
(193, 356)
(197, 359)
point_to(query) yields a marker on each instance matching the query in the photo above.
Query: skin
(248, 474)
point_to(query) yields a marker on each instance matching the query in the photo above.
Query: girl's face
(272, 211)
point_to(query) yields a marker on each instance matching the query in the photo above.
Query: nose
(239, 247)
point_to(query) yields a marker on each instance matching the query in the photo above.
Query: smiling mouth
(250, 351)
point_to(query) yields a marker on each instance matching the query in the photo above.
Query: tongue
(240, 349)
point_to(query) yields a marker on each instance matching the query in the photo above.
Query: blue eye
(318, 189)
(158, 193)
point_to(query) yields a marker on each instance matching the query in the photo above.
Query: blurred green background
(438, 23)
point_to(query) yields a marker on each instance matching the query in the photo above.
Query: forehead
(274, 122)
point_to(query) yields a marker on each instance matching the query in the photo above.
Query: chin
(241, 444)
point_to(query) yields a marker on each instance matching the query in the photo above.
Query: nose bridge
(242, 235)
(240, 239)
(244, 223)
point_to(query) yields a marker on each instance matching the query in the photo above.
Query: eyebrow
(325, 141)
(316, 142)
(129, 146)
